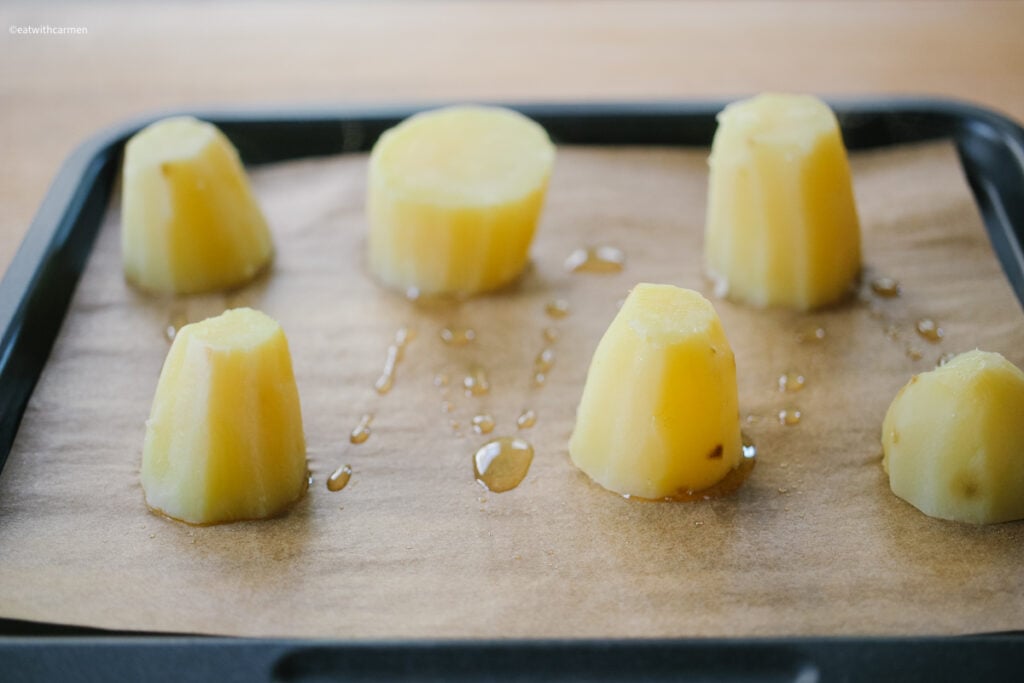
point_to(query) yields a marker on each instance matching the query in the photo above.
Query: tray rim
(798, 659)
(57, 227)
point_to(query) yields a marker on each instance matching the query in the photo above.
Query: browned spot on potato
(716, 452)
(966, 486)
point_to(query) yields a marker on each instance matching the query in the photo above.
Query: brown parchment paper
(814, 543)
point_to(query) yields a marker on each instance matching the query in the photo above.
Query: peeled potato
(659, 413)
(224, 439)
(782, 227)
(454, 197)
(190, 222)
(954, 440)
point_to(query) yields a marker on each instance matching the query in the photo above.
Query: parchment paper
(814, 543)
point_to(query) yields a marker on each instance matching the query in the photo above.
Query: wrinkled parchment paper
(814, 543)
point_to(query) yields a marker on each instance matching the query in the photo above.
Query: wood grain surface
(140, 57)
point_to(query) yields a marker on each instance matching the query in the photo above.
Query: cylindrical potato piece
(224, 439)
(190, 222)
(782, 227)
(659, 413)
(454, 198)
(953, 440)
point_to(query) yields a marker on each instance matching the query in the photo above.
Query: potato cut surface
(224, 439)
(454, 198)
(953, 440)
(659, 412)
(190, 222)
(782, 227)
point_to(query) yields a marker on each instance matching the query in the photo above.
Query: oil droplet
(456, 427)
(483, 424)
(945, 358)
(447, 407)
(542, 366)
(526, 419)
(362, 430)
(790, 416)
(501, 465)
(440, 380)
(403, 336)
(886, 287)
(557, 308)
(339, 478)
(476, 382)
(729, 484)
(544, 361)
(603, 259)
(387, 376)
(396, 352)
(791, 382)
(811, 335)
(434, 302)
(177, 321)
(458, 336)
(892, 332)
(928, 329)
(914, 353)
(549, 334)
(309, 479)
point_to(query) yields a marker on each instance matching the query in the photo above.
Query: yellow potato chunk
(954, 440)
(189, 221)
(782, 227)
(224, 439)
(659, 414)
(454, 197)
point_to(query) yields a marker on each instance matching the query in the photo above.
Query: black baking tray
(37, 287)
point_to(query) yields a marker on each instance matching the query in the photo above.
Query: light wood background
(138, 57)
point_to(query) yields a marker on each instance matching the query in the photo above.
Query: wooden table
(55, 90)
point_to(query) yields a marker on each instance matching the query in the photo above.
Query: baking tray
(36, 290)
